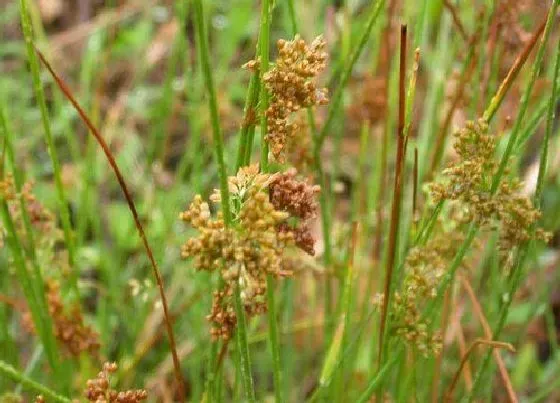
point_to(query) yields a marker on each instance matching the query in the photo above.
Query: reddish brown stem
(512, 74)
(397, 191)
(492, 344)
(488, 334)
(467, 373)
(66, 91)
(386, 64)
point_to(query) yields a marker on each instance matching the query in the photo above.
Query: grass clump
(337, 260)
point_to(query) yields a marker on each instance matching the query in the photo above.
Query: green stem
(243, 347)
(12, 373)
(204, 55)
(40, 95)
(245, 146)
(264, 41)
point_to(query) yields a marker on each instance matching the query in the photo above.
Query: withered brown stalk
(488, 334)
(492, 344)
(512, 74)
(131, 205)
(397, 193)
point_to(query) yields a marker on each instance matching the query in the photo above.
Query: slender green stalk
(204, 55)
(40, 95)
(248, 125)
(12, 373)
(264, 44)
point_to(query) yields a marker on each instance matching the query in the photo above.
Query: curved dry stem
(488, 334)
(67, 93)
(464, 360)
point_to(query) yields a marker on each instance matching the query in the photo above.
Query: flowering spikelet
(468, 183)
(292, 87)
(245, 253)
(298, 199)
(424, 268)
(99, 389)
(68, 327)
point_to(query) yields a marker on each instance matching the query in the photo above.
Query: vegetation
(287, 201)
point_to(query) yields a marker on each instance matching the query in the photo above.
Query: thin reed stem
(492, 344)
(396, 205)
(498, 98)
(204, 54)
(488, 335)
(264, 45)
(132, 207)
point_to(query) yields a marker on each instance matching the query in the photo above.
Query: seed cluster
(244, 253)
(296, 197)
(68, 326)
(425, 266)
(99, 389)
(468, 183)
(292, 87)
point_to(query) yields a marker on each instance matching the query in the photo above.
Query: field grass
(338, 201)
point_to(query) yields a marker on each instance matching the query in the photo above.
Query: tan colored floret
(99, 389)
(292, 87)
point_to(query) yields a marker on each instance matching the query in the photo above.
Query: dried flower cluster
(244, 253)
(292, 87)
(298, 199)
(68, 326)
(424, 268)
(468, 183)
(99, 389)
